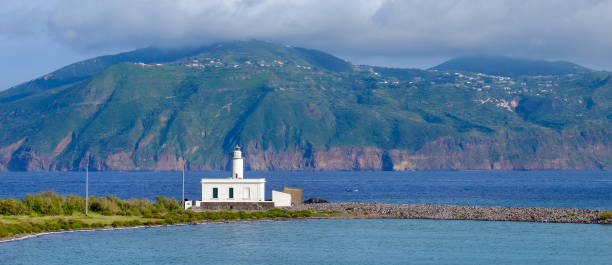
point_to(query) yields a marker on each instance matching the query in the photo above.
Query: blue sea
(561, 189)
(373, 241)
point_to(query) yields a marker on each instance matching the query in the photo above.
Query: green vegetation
(334, 213)
(48, 211)
(605, 215)
(49, 203)
(295, 103)
(498, 65)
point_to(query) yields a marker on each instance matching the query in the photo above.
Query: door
(246, 193)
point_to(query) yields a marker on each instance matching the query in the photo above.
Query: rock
(316, 200)
(456, 212)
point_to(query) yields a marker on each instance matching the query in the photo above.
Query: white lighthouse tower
(237, 164)
(237, 192)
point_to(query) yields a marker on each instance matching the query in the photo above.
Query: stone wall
(454, 212)
(246, 206)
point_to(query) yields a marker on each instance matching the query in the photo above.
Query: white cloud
(574, 30)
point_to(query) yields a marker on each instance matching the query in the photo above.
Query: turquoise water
(387, 241)
(374, 241)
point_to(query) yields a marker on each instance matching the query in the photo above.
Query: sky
(39, 36)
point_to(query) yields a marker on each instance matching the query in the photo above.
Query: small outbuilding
(296, 194)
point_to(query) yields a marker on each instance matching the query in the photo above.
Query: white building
(236, 188)
(238, 191)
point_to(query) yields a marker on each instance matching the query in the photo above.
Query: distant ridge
(294, 108)
(507, 66)
(87, 68)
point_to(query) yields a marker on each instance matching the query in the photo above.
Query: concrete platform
(246, 206)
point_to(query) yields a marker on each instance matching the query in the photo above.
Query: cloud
(550, 29)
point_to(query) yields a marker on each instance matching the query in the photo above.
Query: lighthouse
(237, 192)
(237, 164)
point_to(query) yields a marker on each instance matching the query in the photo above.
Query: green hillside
(294, 108)
(506, 66)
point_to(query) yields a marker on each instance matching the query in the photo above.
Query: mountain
(293, 108)
(506, 66)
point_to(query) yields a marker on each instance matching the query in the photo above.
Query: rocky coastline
(355, 210)
(453, 212)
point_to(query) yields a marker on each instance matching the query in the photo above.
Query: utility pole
(87, 186)
(183, 195)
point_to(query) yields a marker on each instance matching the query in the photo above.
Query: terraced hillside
(294, 108)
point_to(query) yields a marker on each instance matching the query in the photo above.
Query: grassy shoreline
(286, 215)
(48, 212)
(25, 226)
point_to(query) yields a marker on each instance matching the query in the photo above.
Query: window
(246, 193)
(215, 193)
(231, 193)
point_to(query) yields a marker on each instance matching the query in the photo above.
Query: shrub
(118, 223)
(166, 209)
(44, 203)
(97, 225)
(605, 215)
(50, 203)
(166, 204)
(104, 206)
(12, 207)
(73, 204)
(302, 214)
(95, 206)
(275, 213)
(3, 230)
(258, 215)
(244, 215)
(51, 225)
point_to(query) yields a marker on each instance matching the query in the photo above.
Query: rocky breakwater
(452, 212)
